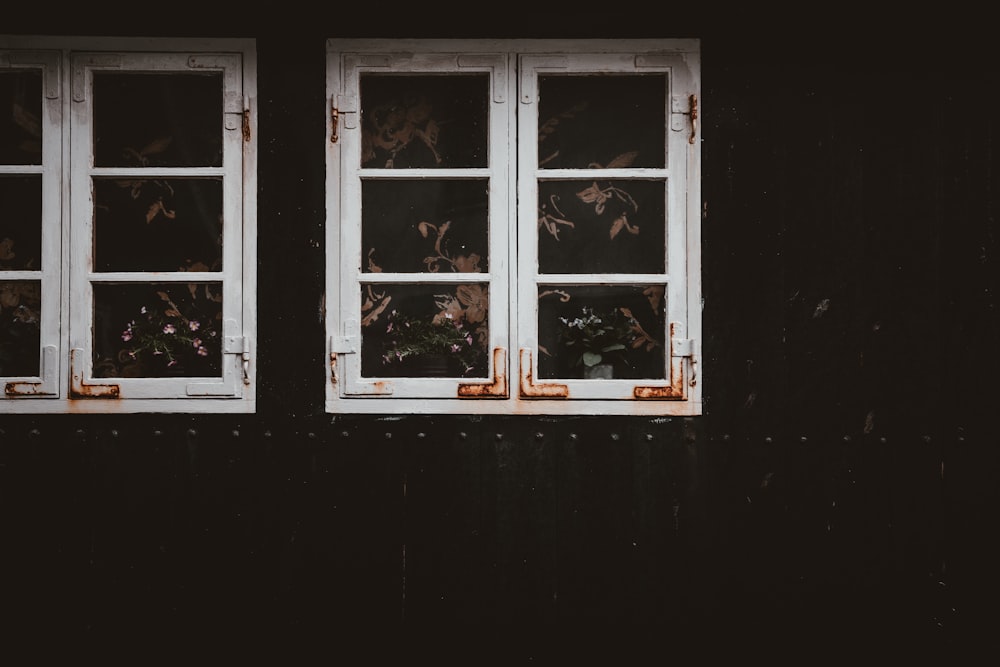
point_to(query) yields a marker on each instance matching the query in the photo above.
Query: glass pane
(413, 226)
(21, 223)
(157, 119)
(157, 224)
(424, 121)
(425, 330)
(21, 117)
(602, 121)
(158, 330)
(20, 331)
(607, 226)
(582, 327)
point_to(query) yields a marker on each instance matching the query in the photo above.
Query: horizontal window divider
(157, 172)
(449, 278)
(156, 276)
(602, 279)
(573, 174)
(21, 275)
(406, 174)
(21, 169)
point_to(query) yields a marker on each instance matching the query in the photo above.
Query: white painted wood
(45, 384)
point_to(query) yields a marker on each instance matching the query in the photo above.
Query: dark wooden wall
(838, 495)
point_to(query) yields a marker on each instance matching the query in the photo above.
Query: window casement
(513, 226)
(127, 242)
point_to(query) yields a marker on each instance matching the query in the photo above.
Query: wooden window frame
(67, 382)
(510, 386)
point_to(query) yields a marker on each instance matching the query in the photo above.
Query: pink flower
(196, 342)
(169, 329)
(194, 325)
(202, 352)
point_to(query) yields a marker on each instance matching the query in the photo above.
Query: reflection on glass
(414, 226)
(21, 117)
(583, 327)
(605, 226)
(158, 224)
(425, 330)
(424, 121)
(21, 223)
(601, 121)
(20, 332)
(158, 119)
(158, 330)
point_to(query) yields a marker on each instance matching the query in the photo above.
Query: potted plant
(166, 341)
(596, 341)
(432, 346)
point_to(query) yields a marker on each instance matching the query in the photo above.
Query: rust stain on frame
(496, 389)
(542, 390)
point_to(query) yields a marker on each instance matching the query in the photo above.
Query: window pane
(425, 330)
(158, 330)
(604, 226)
(413, 226)
(165, 120)
(20, 334)
(582, 326)
(21, 223)
(601, 121)
(21, 117)
(158, 224)
(424, 121)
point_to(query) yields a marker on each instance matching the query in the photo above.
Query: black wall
(838, 495)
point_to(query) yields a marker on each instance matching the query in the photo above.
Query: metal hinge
(346, 105)
(681, 106)
(685, 348)
(239, 345)
(343, 344)
(246, 118)
(682, 347)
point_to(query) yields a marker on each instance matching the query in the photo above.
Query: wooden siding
(838, 495)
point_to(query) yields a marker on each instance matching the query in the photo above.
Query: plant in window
(594, 337)
(166, 338)
(409, 338)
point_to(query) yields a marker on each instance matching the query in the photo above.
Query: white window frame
(513, 276)
(67, 383)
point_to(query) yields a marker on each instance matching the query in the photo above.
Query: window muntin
(154, 249)
(601, 219)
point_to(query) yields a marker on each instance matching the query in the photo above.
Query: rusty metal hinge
(246, 118)
(680, 108)
(239, 345)
(693, 111)
(346, 106)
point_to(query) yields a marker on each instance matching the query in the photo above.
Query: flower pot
(432, 365)
(599, 371)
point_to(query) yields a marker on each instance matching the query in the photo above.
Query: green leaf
(592, 358)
